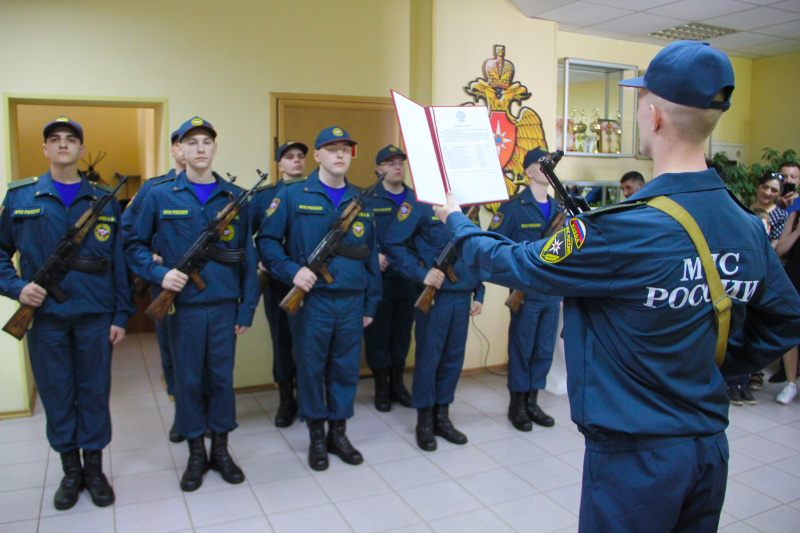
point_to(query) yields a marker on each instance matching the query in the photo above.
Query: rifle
(58, 264)
(263, 279)
(515, 299)
(327, 246)
(201, 251)
(445, 261)
(573, 205)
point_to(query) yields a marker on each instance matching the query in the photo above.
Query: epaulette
(359, 189)
(165, 180)
(613, 208)
(21, 183)
(104, 187)
(295, 180)
(739, 202)
(236, 186)
(515, 197)
(267, 186)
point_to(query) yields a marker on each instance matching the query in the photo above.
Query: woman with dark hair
(767, 192)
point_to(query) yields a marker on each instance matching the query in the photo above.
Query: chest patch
(497, 219)
(102, 232)
(358, 229)
(227, 233)
(175, 213)
(404, 211)
(25, 212)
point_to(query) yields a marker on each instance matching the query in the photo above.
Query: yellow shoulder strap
(722, 303)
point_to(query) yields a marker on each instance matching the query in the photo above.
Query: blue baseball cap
(688, 73)
(174, 137)
(193, 123)
(533, 156)
(63, 121)
(332, 135)
(389, 151)
(290, 144)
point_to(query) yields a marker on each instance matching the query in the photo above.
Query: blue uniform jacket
(33, 221)
(135, 205)
(639, 331)
(414, 241)
(172, 212)
(302, 214)
(522, 220)
(385, 210)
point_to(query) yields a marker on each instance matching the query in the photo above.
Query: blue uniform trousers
(203, 346)
(162, 335)
(388, 338)
(531, 341)
(327, 333)
(283, 367)
(441, 338)
(672, 484)
(71, 363)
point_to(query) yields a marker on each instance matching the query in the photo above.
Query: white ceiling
(764, 27)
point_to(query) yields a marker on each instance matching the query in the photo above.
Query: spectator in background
(767, 192)
(789, 249)
(630, 182)
(791, 170)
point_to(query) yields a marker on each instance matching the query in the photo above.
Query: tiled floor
(502, 480)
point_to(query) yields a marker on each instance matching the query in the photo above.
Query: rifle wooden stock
(140, 287)
(425, 300)
(159, 307)
(18, 324)
(451, 275)
(326, 275)
(263, 279)
(292, 302)
(514, 300)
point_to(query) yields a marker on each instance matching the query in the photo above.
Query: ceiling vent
(693, 31)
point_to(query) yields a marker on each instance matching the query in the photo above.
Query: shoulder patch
(22, 183)
(273, 206)
(559, 246)
(613, 208)
(497, 219)
(404, 211)
(103, 187)
(295, 180)
(267, 186)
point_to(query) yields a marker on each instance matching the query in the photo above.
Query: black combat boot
(72, 483)
(287, 410)
(517, 412)
(221, 461)
(425, 437)
(383, 402)
(399, 392)
(317, 449)
(94, 479)
(339, 444)
(443, 427)
(197, 465)
(535, 412)
(174, 436)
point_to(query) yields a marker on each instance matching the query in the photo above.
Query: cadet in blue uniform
(128, 216)
(532, 330)
(640, 334)
(203, 327)
(291, 158)
(388, 338)
(69, 343)
(328, 328)
(414, 242)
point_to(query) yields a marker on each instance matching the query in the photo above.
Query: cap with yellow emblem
(194, 123)
(332, 135)
(63, 121)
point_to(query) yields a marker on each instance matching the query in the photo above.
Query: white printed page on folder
(469, 155)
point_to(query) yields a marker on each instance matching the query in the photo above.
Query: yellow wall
(775, 105)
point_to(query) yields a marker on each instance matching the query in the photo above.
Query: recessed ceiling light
(693, 31)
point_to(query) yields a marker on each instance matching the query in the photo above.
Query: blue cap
(193, 123)
(688, 73)
(389, 151)
(533, 156)
(290, 144)
(63, 121)
(332, 135)
(174, 137)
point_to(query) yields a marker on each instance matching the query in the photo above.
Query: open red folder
(450, 149)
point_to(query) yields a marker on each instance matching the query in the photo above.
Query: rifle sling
(358, 251)
(88, 265)
(721, 301)
(225, 255)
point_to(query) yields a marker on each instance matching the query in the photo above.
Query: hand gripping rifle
(202, 250)
(63, 260)
(445, 261)
(515, 299)
(327, 247)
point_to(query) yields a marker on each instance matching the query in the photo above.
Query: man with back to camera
(133, 208)
(69, 343)
(640, 332)
(291, 158)
(388, 338)
(328, 328)
(630, 182)
(202, 325)
(529, 216)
